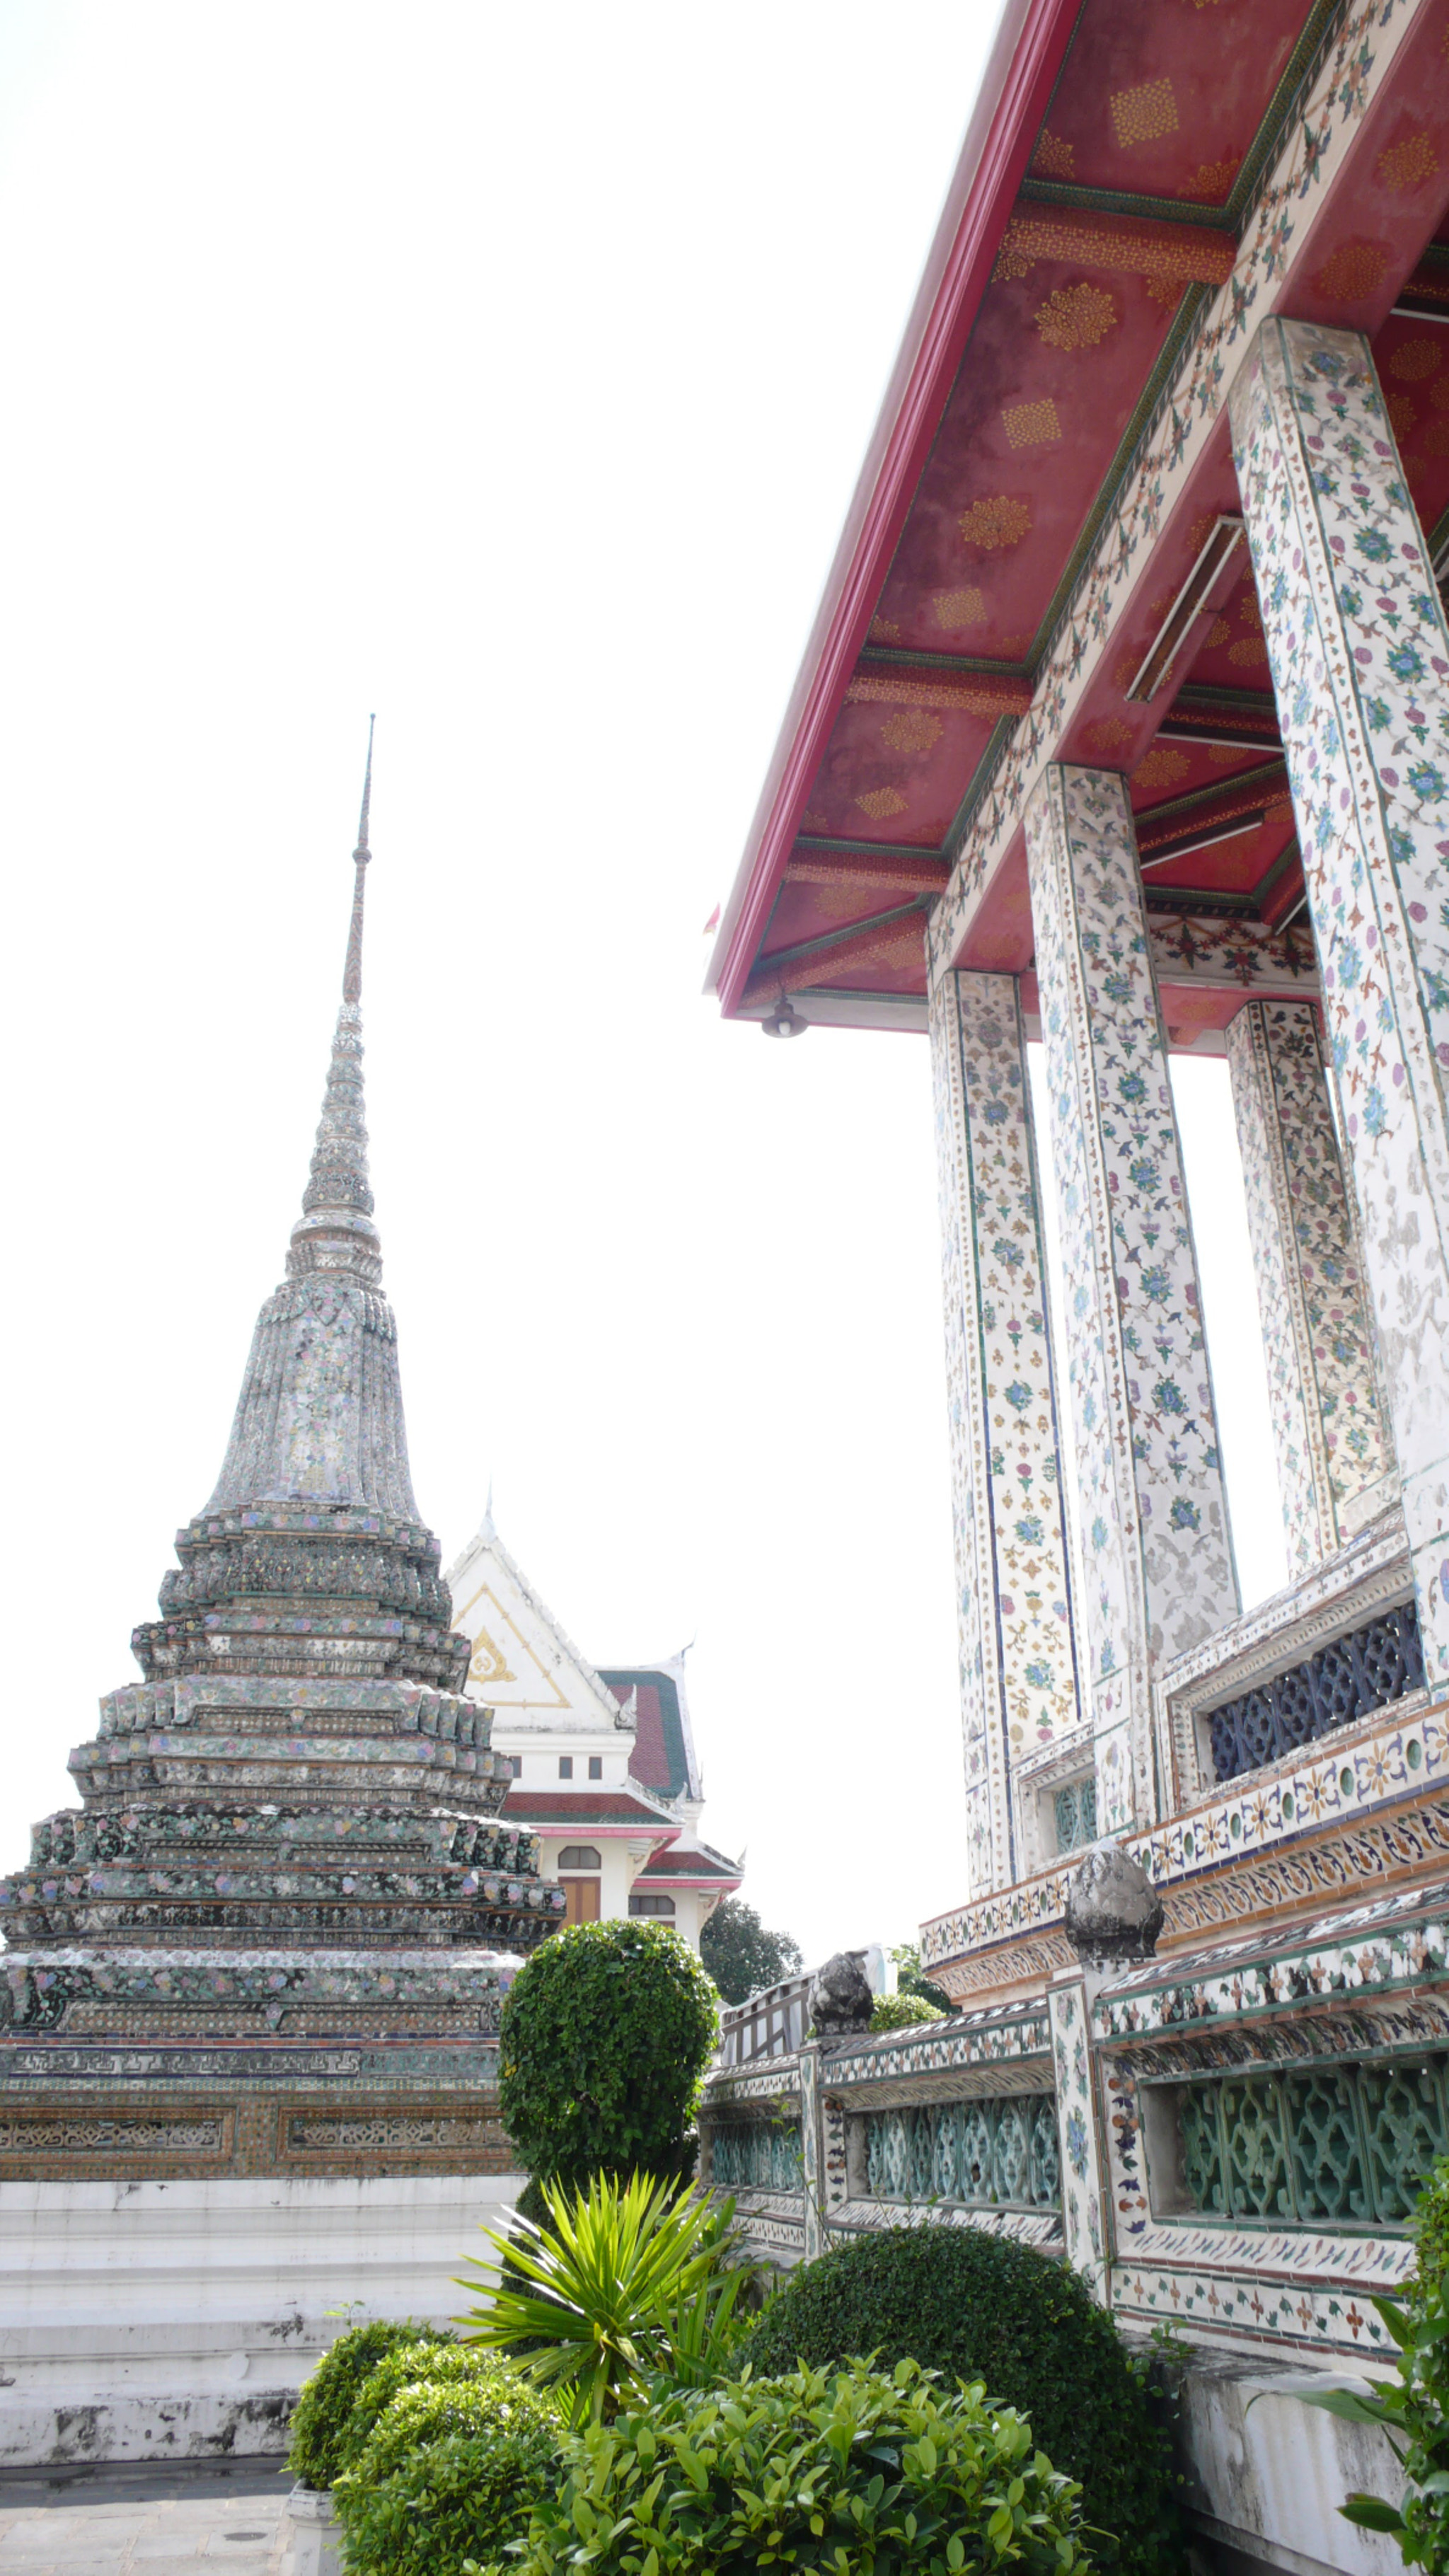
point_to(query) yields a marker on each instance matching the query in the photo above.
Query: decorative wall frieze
(1232, 956)
(1328, 1821)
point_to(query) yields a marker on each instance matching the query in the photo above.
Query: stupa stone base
(150, 2319)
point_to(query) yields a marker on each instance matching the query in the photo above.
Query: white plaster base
(316, 2547)
(1264, 2487)
(171, 2320)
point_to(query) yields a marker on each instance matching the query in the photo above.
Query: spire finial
(352, 970)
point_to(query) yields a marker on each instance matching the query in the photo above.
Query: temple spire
(352, 970)
(335, 1230)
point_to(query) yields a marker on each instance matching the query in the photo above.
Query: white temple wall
(1359, 653)
(177, 2320)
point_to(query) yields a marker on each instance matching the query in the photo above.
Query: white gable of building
(523, 1664)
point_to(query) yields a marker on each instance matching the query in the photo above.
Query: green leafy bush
(619, 2281)
(605, 2035)
(320, 2417)
(440, 2365)
(898, 2012)
(975, 2306)
(853, 2472)
(1431, 2230)
(448, 2476)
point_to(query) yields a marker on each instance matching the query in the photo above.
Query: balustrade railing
(1337, 2146)
(756, 2155)
(1348, 1678)
(771, 2023)
(997, 2152)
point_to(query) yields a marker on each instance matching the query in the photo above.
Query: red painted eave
(1030, 45)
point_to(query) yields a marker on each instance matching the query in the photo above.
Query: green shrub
(605, 2035)
(442, 2365)
(898, 2012)
(320, 2417)
(624, 2279)
(448, 2476)
(1431, 2231)
(976, 2306)
(845, 2473)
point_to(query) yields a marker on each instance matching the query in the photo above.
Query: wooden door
(583, 1900)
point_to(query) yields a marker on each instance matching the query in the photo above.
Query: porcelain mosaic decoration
(1360, 659)
(277, 1935)
(1159, 1571)
(1317, 1330)
(1018, 1674)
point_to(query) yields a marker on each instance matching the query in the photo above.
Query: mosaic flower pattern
(1017, 1662)
(1081, 2160)
(1317, 1331)
(1158, 1562)
(1360, 659)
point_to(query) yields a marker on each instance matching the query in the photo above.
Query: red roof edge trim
(1031, 43)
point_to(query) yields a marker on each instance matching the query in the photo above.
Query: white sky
(509, 372)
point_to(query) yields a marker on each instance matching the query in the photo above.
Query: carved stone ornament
(1113, 1912)
(841, 1999)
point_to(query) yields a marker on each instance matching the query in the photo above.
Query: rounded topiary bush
(813, 2470)
(319, 2419)
(979, 2307)
(448, 2476)
(605, 2035)
(436, 2365)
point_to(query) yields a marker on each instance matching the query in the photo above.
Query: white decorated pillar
(1018, 1680)
(1360, 660)
(1334, 1461)
(1157, 1574)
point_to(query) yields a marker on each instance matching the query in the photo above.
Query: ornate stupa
(276, 1934)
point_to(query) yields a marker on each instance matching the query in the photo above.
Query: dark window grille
(1075, 1811)
(1345, 1679)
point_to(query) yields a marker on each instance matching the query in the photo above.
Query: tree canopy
(741, 1955)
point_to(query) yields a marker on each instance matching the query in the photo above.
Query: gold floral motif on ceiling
(1143, 114)
(1163, 766)
(1416, 360)
(1355, 269)
(881, 802)
(1223, 754)
(1402, 414)
(955, 608)
(911, 730)
(1053, 158)
(999, 521)
(1212, 179)
(1408, 164)
(1107, 735)
(884, 630)
(1031, 424)
(1076, 317)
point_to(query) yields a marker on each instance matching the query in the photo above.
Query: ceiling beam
(1178, 255)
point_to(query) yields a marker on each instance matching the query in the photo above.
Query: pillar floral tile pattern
(1360, 659)
(1317, 1333)
(1158, 1569)
(1013, 1597)
(1079, 2132)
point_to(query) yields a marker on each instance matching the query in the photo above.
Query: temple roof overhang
(1044, 558)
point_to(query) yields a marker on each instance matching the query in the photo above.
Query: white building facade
(604, 1766)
